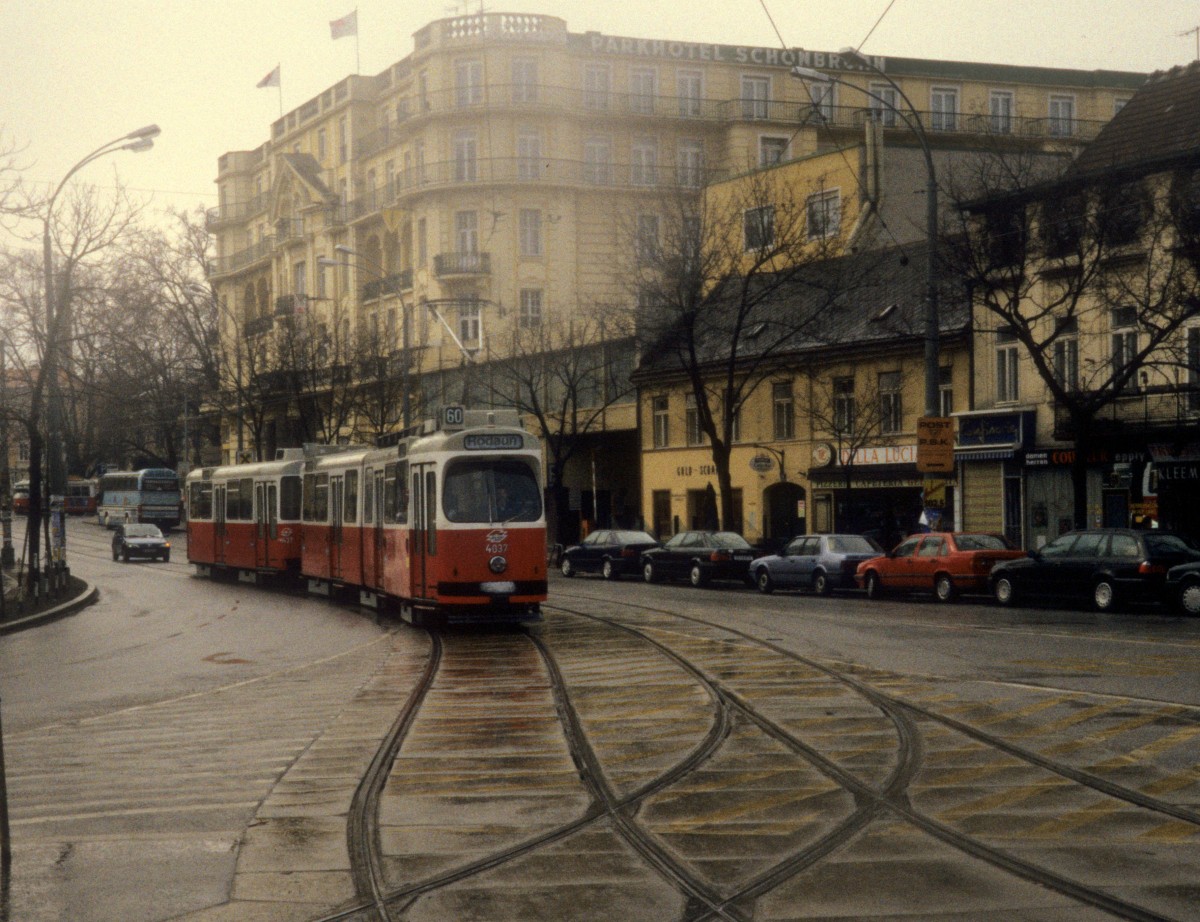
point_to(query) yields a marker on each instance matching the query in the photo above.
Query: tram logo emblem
(497, 536)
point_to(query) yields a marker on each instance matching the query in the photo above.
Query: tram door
(219, 540)
(266, 521)
(373, 550)
(336, 509)
(424, 528)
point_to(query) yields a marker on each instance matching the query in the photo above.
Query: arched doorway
(786, 512)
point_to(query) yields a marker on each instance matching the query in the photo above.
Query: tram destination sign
(493, 441)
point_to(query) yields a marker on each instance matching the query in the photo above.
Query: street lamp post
(378, 271)
(912, 119)
(58, 325)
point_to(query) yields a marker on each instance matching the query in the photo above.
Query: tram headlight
(498, 564)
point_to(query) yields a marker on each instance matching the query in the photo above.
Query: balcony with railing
(461, 265)
(290, 305)
(244, 259)
(289, 230)
(256, 326)
(234, 212)
(391, 284)
(1152, 408)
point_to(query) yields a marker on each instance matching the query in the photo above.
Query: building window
(662, 422)
(466, 157)
(468, 83)
(643, 87)
(470, 324)
(1193, 369)
(530, 232)
(1124, 343)
(1119, 103)
(322, 146)
(883, 101)
(419, 156)
(690, 165)
(946, 390)
(1066, 357)
(772, 151)
(647, 238)
(824, 98)
(422, 242)
(690, 86)
(597, 161)
(529, 155)
(524, 80)
(784, 410)
(466, 233)
(843, 406)
(1122, 211)
(691, 422)
(824, 215)
(756, 92)
(891, 414)
(943, 108)
(1007, 390)
(643, 167)
(343, 140)
(1000, 110)
(529, 316)
(758, 228)
(1062, 116)
(596, 87)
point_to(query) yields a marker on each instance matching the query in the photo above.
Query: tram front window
(491, 492)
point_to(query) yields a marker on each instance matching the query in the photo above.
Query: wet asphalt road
(192, 750)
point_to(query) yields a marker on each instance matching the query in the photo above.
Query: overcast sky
(81, 72)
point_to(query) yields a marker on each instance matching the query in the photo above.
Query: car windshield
(632, 537)
(730, 539)
(981, 543)
(142, 531)
(853, 544)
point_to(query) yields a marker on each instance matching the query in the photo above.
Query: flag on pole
(271, 79)
(347, 25)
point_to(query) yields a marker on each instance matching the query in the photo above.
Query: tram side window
(369, 497)
(200, 501)
(239, 500)
(316, 497)
(389, 493)
(402, 493)
(350, 498)
(289, 498)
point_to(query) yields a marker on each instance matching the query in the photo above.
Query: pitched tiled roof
(870, 300)
(1161, 123)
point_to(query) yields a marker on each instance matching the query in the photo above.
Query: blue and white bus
(151, 495)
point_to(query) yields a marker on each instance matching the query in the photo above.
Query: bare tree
(726, 287)
(565, 374)
(1091, 278)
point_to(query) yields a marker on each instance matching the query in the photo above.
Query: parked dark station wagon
(1106, 566)
(700, 556)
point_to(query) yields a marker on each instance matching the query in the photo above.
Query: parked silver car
(817, 562)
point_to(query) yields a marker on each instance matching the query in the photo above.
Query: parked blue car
(817, 562)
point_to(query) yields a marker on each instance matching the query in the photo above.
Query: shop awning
(986, 453)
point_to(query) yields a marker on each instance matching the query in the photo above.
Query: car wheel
(821, 583)
(167, 557)
(1189, 599)
(697, 576)
(609, 571)
(125, 555)
(568, 568)
(1004, 591)
(1104, 595)
(874, 586)
(943, 588)
(762, 579)
(648, 573)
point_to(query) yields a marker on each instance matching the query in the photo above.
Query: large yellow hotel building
(486, 183)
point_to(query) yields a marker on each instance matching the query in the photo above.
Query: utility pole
(7, 557)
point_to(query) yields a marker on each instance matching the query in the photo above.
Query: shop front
(988, 452)
(1174, 487)
(875, 491)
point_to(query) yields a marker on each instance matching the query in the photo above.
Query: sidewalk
(77, 596)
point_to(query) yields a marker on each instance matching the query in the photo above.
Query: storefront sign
(1064, 457)
(880, 454)
(1173, 473)
(935, 445)
(1007, 429)
(734, 54)
(761, 463)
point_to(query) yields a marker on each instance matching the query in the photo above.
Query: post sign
(935, 445)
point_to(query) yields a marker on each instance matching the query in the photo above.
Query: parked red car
(945, 563)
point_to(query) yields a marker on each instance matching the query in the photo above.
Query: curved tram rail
(712, 658)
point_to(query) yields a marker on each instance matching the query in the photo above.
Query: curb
(89, 595)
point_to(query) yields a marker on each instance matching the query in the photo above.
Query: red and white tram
(448, 522)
